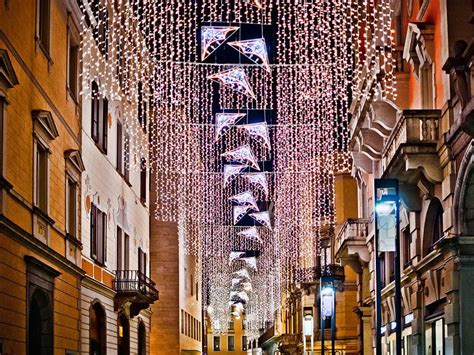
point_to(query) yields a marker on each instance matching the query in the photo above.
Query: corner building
(423, 138)
(40, 178)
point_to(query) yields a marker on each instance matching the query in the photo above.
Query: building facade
(40, 178)
(234, 341)
(117, 290)
(179, 311)
(423, 138)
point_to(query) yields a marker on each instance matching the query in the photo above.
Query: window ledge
(44, 51)
(74, 240)
(43, 215)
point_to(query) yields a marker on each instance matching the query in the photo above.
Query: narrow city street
(258, 177)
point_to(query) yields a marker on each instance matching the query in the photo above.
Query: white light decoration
(235, 256)
(258, 179)
(243, 155)
(238, 212)
(225, 120)
(250, 262)
(314, 54)
(250, 233)
(263, 218)
(212, 37)
(259, 130)
(255, 50)
(230, 171)
(245, 198)
(236, 79)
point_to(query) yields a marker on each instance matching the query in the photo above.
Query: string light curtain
(240, 103)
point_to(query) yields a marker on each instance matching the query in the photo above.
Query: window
(197, 291)
(123, 342)
(406, 247)
(98, 235)
(72, 64)
(99, 24)
(192, 284)
(119, 148)
(141, 261)
(143, 182)
(122, 249)
(231, 343)
(433, 226)
(182, 322)
(217, 343)
(43, 24)
(231, 325)
(141, 338)
(71, 209)
(244, 324)
(97, 333)
(119, 249)
(41, 180)
(244, 343)
(99, 117)
(434, 337)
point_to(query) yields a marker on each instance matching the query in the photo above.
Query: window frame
(43, 43)
(98, 222)
(216, 345)
(71, 182)
(244, 343)
(73, 43)
(99, 118)
(229, 347)
(39, 144)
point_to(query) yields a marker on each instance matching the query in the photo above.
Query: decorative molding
(8, 78)
(418, 46)
(74, 159)
(422, 11)
(46, 122)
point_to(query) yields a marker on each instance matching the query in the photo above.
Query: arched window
(468, 205)
(40, 324)
(123, 335)
(97, 339)
(433, 226)
(141, 338)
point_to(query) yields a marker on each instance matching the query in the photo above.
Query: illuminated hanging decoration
(236, 79)
(212, 37)
(250, 262)
(250, 233)
(255, 50)
(258, 179)
(259, 130)
(263, 218)
(239, 212)
(245, 198)
(226, 120)
(149, 61)
(235, 256)
(243, 155)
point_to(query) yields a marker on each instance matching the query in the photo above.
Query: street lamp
(308, 330)
(387, 239)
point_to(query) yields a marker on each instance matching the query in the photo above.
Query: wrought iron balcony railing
(134, 281)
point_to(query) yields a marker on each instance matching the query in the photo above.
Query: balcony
(351, 243)
(288, 343)
(411, 149)
(134, 291)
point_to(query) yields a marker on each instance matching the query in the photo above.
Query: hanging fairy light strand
(242, 152)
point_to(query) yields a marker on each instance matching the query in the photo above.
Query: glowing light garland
(146, 58)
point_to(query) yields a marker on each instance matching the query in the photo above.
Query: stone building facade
(40, 178)
(423, 138)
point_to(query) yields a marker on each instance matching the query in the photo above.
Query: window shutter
(99, 238)
(95, 112)
(105, 123)
(119, 249)
(119, 147)
(104, 236)
(93, 232)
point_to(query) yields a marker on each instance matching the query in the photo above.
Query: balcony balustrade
(135, 290)
(412, 146)
(351, 243)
